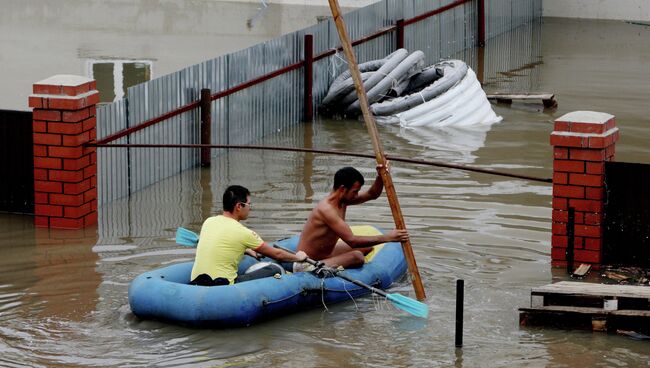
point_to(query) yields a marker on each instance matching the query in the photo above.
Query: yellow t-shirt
(222, 243)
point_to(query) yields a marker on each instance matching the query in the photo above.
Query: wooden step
(599, 307)
(595, 319)
(587, 310)
(591, 289)
(548, 99)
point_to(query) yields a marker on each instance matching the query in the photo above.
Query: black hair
(234, 194)
(347, 176)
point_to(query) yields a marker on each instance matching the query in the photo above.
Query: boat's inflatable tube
(453, 71)
(165, 294)
(462, 105)
(408, 67)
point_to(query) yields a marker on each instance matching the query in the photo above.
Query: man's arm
(374, 191)
(279, 254)
(343, 231)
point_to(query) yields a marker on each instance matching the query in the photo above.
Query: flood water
(63, 294)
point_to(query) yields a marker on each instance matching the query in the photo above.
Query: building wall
(632, 10)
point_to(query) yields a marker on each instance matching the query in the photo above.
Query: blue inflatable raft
(165, 294)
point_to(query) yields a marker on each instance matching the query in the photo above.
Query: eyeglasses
(244, 204)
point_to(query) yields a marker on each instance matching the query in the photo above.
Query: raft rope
(356, 307)
(325, 273)
(322, 294)
(378, 301)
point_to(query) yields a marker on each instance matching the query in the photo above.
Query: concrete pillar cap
(67, 80)
(592, 117)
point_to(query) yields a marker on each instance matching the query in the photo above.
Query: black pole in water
(460, 290)
(570, 241)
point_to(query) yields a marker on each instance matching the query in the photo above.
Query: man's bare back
(326, 223)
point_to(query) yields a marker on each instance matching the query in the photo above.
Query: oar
(399, 301)
(376, 144)
(186, 237)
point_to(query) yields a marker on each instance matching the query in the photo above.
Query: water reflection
(66, 279)
(114, 77)
(452, 144)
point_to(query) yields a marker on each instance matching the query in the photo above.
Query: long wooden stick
(376, 144)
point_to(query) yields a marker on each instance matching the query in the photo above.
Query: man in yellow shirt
(224, 240)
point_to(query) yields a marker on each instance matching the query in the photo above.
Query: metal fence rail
(276, 104)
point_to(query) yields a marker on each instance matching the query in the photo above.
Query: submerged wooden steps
(598, 307)
(548, 99)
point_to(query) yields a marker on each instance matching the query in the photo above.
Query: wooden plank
(582, 270)
(587, 310)
(548, 99)
(521, 96)
(591, 289)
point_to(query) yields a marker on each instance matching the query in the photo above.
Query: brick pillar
(583, 141)
(65, 172)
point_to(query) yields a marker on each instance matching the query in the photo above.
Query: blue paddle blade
(407, 304)
(186, 237)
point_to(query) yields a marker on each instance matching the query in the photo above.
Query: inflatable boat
(165, 293)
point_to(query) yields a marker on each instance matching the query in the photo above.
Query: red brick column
(65, 172)
(583, 141)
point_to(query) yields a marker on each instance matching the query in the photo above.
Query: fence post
(308, 111)
(206, 122)
(65, 171)
(481, 23)
(399, 31)
(583, 141)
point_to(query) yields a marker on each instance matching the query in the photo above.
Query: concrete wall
(634, 10)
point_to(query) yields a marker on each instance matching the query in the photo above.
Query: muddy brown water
(63, 294)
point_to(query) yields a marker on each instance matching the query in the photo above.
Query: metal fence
(276, 104)
(511, 60)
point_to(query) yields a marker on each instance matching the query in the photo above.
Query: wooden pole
(376, 144)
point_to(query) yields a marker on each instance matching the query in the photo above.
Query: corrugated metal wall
(511, 59)
(276, 104)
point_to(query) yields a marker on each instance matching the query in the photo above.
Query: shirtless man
(326, 223)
